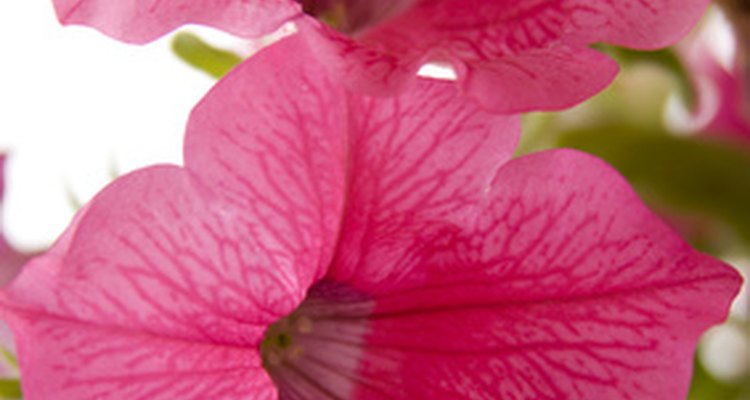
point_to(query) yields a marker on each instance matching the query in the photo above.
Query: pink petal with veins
(153, 292)
(426, 151)
(277, 148)
(195, 262)
(141, 21)
(645, 25)
(420, 162)
(561, 285)
(532, 52)
(550, 79)
(118, 364)
(364, 68)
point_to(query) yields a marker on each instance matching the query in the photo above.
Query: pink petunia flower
(509, 55)
(319, 244)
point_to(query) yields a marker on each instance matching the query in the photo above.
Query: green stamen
(278, 345)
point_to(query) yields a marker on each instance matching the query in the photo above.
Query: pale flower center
(332, 12)
(353, 17)
(281, 343)
(316, 349)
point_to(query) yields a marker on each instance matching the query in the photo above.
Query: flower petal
(140, 21)
(550, 79)
(363, 67)
(514, 55)
(490, 28)
(636, 24)
(418, 162)
(154, 261)
(301, 140)
(85, 361)
(564, 286)
(271, 138)
(198, 260)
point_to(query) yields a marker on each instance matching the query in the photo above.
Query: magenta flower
(720, 98)
(510, 55)
(319, 244)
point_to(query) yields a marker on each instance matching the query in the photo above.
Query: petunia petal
(379, 48)
(198, 260)
(363, 67)
(551, 79)
(86, 361)
(301, 140)
(271, 139)
(158, 261)
(563, 286)
(494, 43)
(491, 28)
(418, 163)
(636, 24)
(140, 21)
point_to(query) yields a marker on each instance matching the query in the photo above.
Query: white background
(76, 106)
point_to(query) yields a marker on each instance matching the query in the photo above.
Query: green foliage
(10, 389)
(10, 359)
(664, 58)
(201, 55)
(690, 175)
(706, 387)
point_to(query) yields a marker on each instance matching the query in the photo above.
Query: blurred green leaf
(664, 58)
(10, 389)
(9, 358)
(201, 55)
(689, 175)
(706, 387)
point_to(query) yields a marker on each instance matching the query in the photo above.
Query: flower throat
(317, 347)
(352, 16)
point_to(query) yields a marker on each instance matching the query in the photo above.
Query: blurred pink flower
(720, 105)
(321, 244)
(510, 55)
